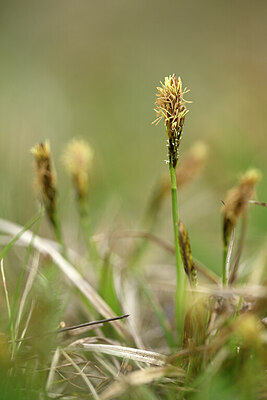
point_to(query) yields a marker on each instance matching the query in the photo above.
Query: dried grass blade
(130, 353)
(27, 289)
(26, 325)
(52, 369)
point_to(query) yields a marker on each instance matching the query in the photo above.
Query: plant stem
(179, 300)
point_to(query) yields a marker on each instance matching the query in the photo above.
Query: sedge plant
(234, 207)
(77, 159)
(171, 108)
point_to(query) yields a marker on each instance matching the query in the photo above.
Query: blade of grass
(27, 289)
(25, 263)
(107, 285)
(20, 340)
(52, 369)
(8, 306)
(20, 233)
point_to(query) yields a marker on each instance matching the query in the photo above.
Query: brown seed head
(237, 200)
(186, 254)
(171, 107)
(77, 160)
(46, 178)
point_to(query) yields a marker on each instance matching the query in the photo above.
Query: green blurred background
(89, 69)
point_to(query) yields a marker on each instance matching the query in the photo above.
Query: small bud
(237, 200)
(46, 179)
(171, 107)
(77, 160)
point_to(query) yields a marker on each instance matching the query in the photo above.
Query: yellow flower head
(77, 159)
(171, 108)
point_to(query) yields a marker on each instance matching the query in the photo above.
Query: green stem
(179, 301)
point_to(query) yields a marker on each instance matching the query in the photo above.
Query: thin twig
(102, 321)
(70, 328)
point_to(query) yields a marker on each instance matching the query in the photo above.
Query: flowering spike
(186, 254)
(237, 200)
(46, 179)
(77, 160)
(171, 107)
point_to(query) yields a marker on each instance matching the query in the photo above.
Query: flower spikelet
(186, 254)
(237, 200)
(171, 108)
(77, 160)
(46, 178)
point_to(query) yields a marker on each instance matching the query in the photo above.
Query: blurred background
(89, 69)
